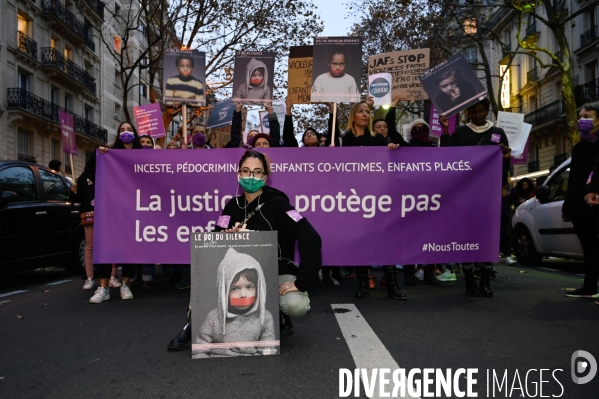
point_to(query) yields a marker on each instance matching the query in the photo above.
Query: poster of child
(234, 317)
(452, 85)
(337, 66)
(187, 81)
(253, 79)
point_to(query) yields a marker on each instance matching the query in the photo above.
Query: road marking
(12, 293)
(548, 269)
(5, 302)
(59, 282)
(365, 346)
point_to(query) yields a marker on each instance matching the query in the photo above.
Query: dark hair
(593, 106)
(250, 275)
(261, 136)
(378, 120)
(184, 57)
(446, 74)
(119, 145)
(318, 135)
(258, 155)
(337, 50)
(148, 136)
(259, 69)
(484, 102)
(55, 164)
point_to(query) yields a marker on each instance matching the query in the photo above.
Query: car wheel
(524, 246)
(76, 264)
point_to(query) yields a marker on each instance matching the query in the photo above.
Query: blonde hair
(352, 113)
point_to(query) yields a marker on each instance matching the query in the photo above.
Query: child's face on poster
(184, 67)
(337, 65)
(256, 78)
(450, 87)
(242, 289)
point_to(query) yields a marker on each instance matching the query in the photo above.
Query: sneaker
(89, 284)
(371, 284)
(183, 284)
(582, 293)
(510, 261)
(446, 276)
(114, 282)
(102, 294)
(419, 274)
(126, 292)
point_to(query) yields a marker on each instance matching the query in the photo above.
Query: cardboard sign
(148, 119)
(221, 114)
(379, 87)
(253, 79)
(337, 66)
(67, 128)
(299, 74)
(234, 294)
(452, 85)
(404, 67)
(186, 83)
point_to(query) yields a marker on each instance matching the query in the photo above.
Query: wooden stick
(334, 123)
(72, 167)
(184, 121)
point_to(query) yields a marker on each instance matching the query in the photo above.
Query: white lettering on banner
(206, 168)
(153, 168)
(353, 203)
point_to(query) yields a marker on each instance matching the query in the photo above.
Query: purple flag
(370, 205)
(148, 119)
(67, 128)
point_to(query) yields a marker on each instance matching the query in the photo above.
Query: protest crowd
(261, 207)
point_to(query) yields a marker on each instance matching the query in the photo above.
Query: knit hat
(420, 122)
(261, 136)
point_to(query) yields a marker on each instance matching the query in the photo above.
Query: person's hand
(444, 122)
(74, 188)
(395, 101)
(103, 150)
(455, 93)
(592, 199)
(392, 146)
(288, 106)
(268, 108)
(238, 106)
(286, 288)
(370, 101)
(506, 151)
(237, 227)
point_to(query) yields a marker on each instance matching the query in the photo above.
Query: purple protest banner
(148, 119)
(436, 127)
(67, 128)
(370, 205)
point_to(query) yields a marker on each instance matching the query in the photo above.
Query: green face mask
(251, 184)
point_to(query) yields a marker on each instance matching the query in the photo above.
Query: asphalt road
(54, 344)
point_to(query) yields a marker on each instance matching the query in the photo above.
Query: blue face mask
(251, 184)
(127, 137)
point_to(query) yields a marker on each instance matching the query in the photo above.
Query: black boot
(429, 276)
(326, 276)
(286, 328)
(485, 283)
(409, 277)
(362, 272)
(393, 290)
(471, 287)
(183, 340)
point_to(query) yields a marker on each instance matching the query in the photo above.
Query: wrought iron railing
(97, 6)
(53, 57)
(55, 7)
(587, 92)
(588, 36)
(532, 75)
(546, 113)
(533, 166)
(22, 99)
(558, 159)
(26, 157)
(498, 17)
(27, 45)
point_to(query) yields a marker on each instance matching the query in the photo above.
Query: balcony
(52, 58)
(558, 159)
(24, 100)
(498, 17)
(97, 7)
(532, 75)
(533, 166)
(546, 113)
(587, 92)
(66, 18)
(26, 158)
(27, 45)
(589, 36)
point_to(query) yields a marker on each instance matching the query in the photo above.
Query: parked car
(538, 228)
(39, 226)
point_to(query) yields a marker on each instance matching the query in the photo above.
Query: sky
(334, 15)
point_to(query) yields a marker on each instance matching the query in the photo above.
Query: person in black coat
(479, 131)
(583, 185)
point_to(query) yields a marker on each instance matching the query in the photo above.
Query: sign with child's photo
(184, 77)
(253, 79)
(336, 69)
(234, 294)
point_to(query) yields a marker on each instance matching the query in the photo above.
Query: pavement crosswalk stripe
(551, 270)
(365, 346)
(13, 293)
(59, 282)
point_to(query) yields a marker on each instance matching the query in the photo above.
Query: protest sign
(187, 77)
(253, 79)
(67, 128)
(299, 74)
(160, 198)
(221, 114)
(404, 67)
(264, 124)
(148, 119)
(337, 66)
(436, 127)
(452, 85)
(379, 87)
(234, 273)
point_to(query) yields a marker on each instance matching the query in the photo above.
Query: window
(470, 26)
(143, 91)
(68, 102)
(25, 145)
(22, 25)
(117, 10)
(89, 114)
(591, 71)
(532, 103)
(142, 29)
(55, 43)
(68, 53)
(117, 111)
(56, 149)
(559, 185)
(54, 186)
(21, 181)
(117, 77)
(67, 165)
(89, 68)
(24, 80)
(55, 95)
(470, 54)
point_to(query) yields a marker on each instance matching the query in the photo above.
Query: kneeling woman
(264, 208)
